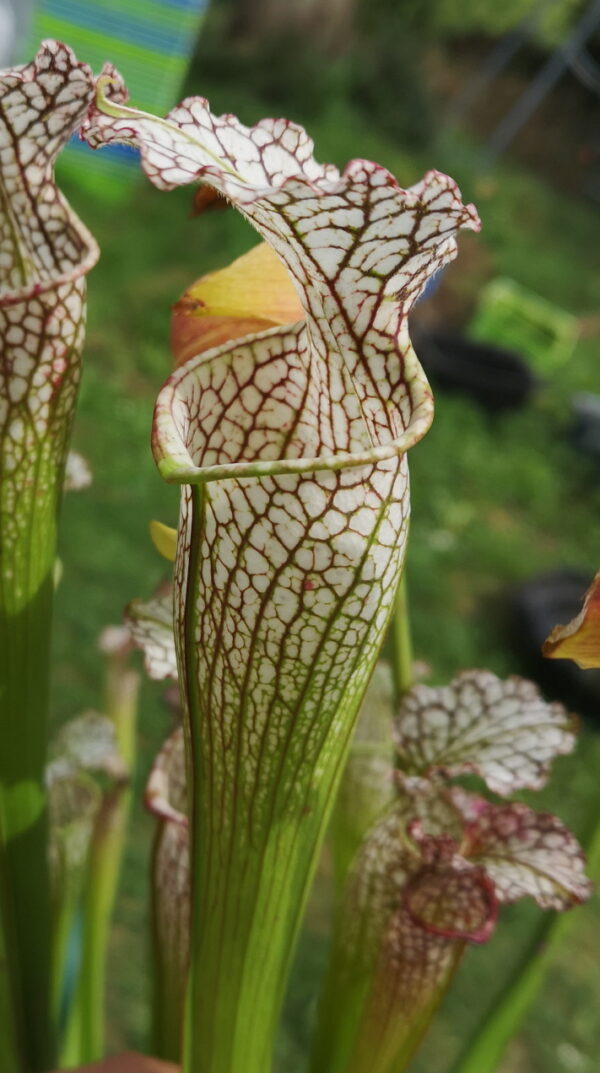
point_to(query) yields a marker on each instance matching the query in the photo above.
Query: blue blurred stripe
(124, 154)
(125, 27)
(188, 5)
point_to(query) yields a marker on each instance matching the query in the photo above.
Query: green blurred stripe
(150, 77)
(154, 13)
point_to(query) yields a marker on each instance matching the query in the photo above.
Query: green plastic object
(511, 316)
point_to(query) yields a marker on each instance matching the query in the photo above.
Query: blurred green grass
(493, 502)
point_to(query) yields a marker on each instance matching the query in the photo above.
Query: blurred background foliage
(460, 17)
(496, 498)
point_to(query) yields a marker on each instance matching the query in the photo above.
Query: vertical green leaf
(44, 254)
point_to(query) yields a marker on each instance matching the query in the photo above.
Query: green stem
(402, 661)
(84, 1039)
(64, 918)
(484, 1051)
(85, 1032)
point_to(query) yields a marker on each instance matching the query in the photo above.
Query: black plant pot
(540, 604)
(496, 378)
(585, 427)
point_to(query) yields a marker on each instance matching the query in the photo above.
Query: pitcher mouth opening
(177, 418)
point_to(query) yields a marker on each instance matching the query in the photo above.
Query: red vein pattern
(291, 540)
(415, 896)
(503, 731)
(44, 254)
(528, 853)
(410, 904)
(359, 248)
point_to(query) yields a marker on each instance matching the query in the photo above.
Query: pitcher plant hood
(359, 250)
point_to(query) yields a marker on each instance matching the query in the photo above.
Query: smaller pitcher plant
(287, 421)
(434, 868)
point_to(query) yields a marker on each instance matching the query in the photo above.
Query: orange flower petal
(252, 294)
(579, 640)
